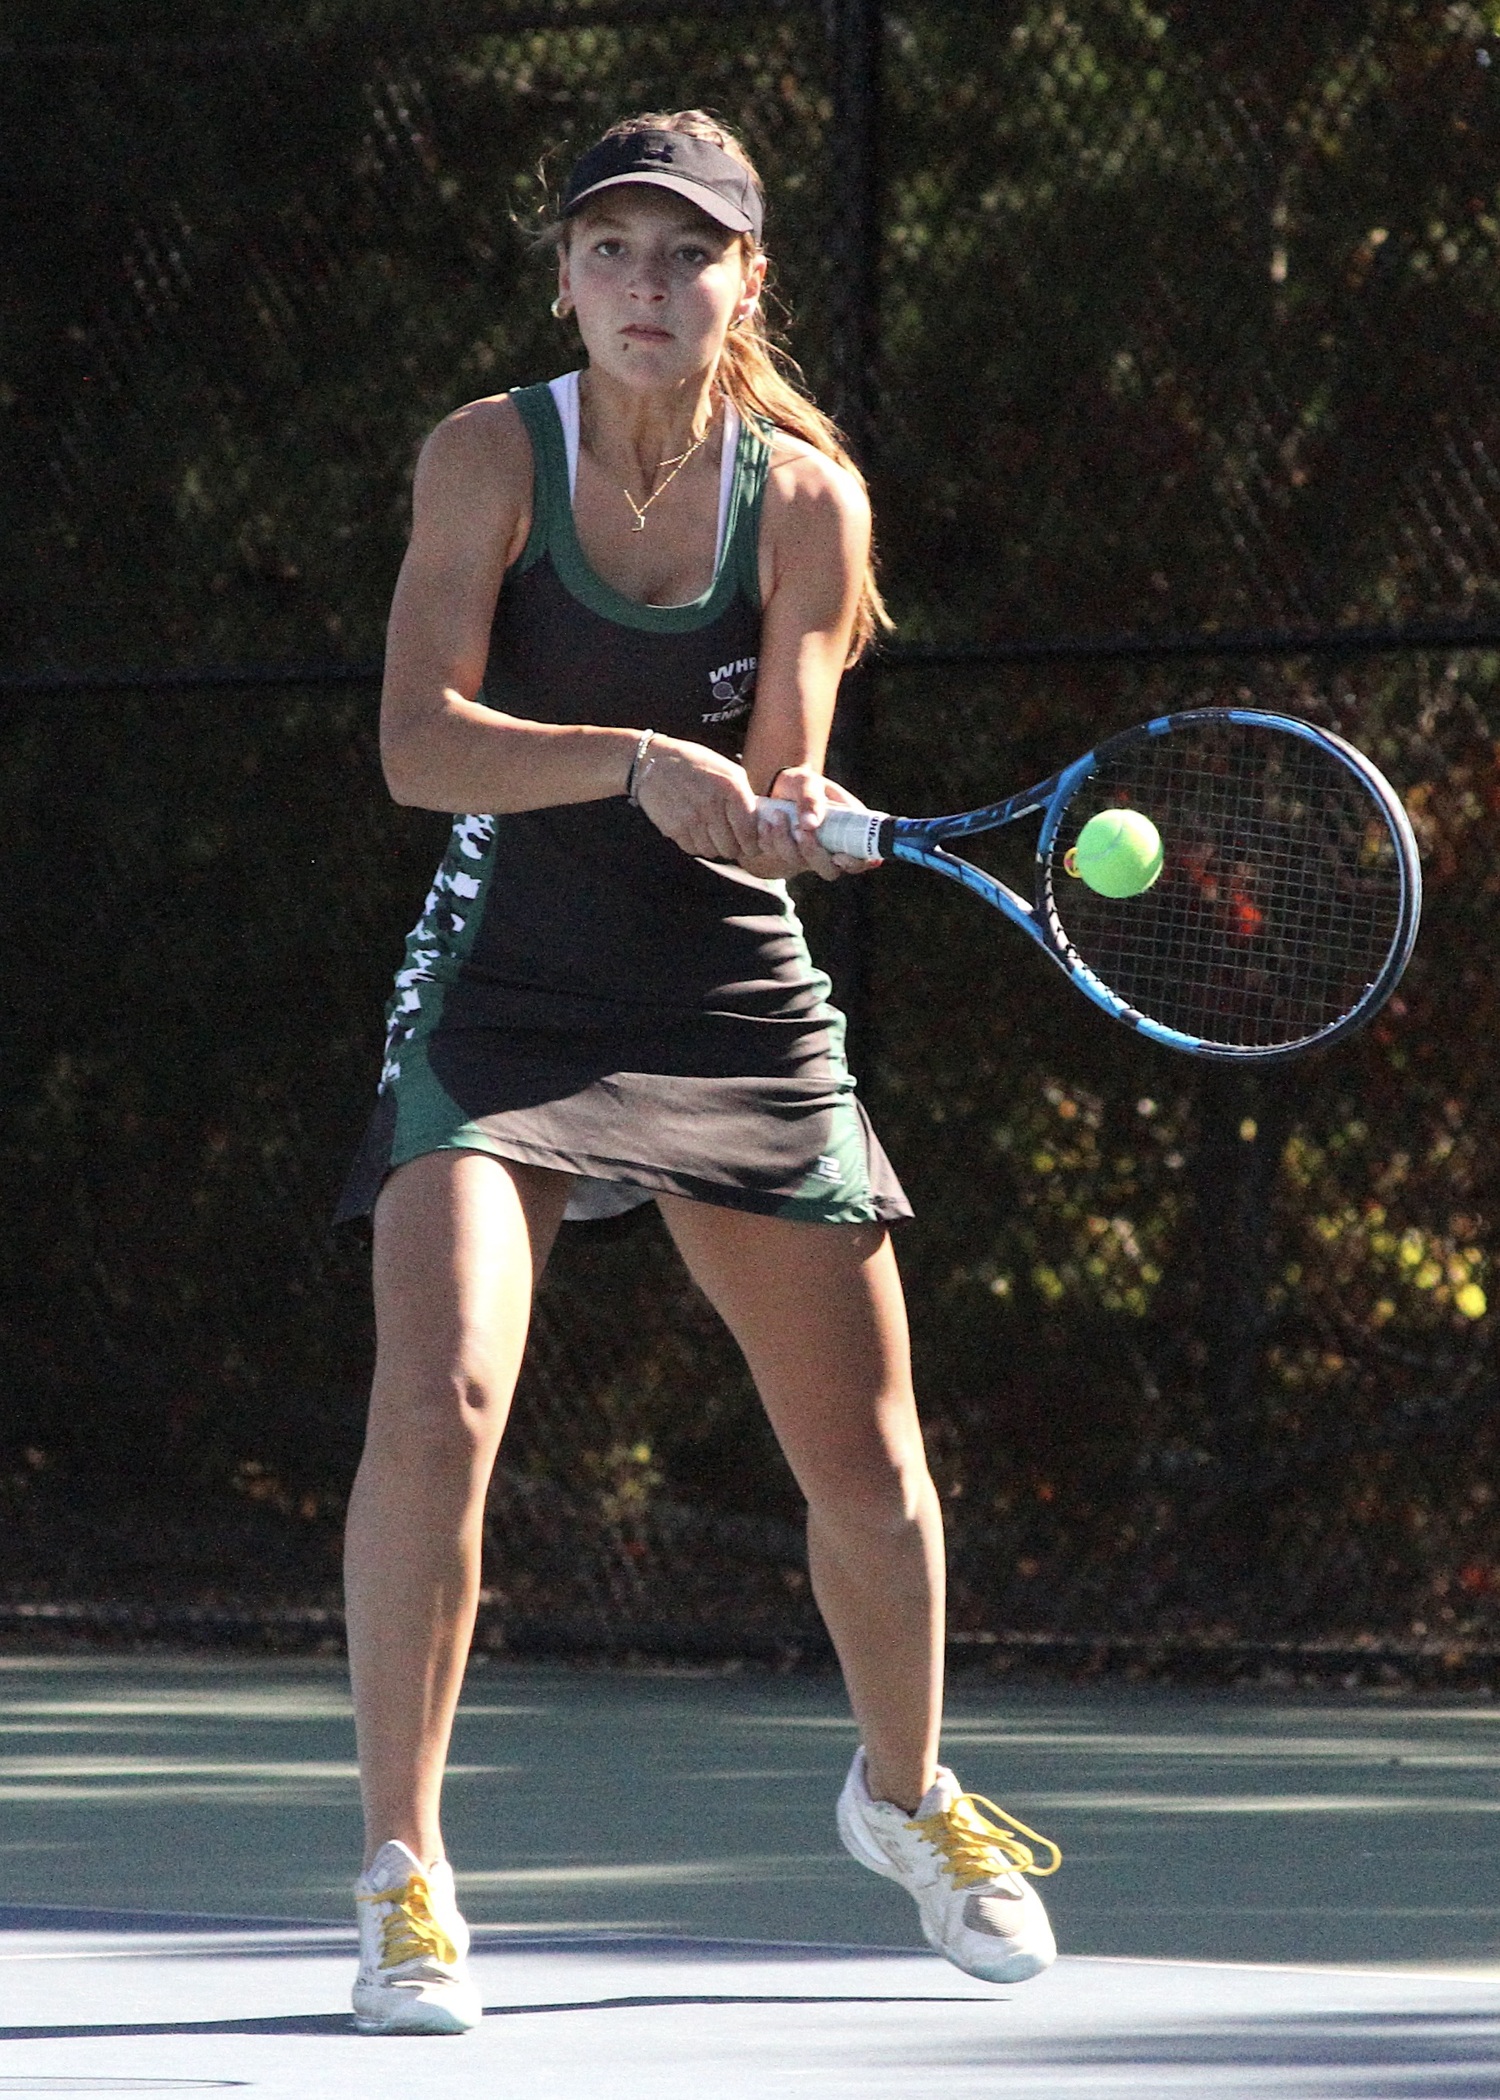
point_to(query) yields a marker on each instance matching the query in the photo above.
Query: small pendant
(640, 522)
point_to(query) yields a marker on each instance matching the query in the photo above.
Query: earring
(559, 311)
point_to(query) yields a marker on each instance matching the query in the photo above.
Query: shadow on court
(854, 2023)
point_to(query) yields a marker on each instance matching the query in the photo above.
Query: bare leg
(818, 1312)
(460, 1239)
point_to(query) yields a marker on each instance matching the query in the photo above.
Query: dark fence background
(1169, 337)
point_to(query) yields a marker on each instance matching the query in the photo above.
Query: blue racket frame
(918, 839)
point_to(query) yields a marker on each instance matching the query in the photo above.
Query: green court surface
(1205, 1826)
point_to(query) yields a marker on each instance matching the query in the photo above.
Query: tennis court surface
(1265, 1893)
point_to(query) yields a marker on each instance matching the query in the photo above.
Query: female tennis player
(626, 605)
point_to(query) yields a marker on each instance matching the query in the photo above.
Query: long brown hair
(755, 373)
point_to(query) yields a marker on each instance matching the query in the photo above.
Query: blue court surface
(1267, 1893)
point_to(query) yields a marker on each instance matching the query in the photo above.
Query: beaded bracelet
(633, 777)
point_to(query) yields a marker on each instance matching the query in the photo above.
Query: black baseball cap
(694, 168)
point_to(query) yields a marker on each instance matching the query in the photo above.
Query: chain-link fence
(1184, 325)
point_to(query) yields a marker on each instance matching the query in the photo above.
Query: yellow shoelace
(975, 1849)
(411, 1931)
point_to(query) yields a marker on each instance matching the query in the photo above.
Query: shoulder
(801, 474)
(486, 435)
(813, 504)
(473, 480)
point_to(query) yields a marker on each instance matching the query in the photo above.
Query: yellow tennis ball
(1118, 853)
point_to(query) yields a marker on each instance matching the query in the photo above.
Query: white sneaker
(412, 1943)
(966, 1873)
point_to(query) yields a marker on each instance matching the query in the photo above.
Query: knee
(874, 1493)
(448, 1418)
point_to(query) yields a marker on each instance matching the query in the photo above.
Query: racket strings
(1280, 896)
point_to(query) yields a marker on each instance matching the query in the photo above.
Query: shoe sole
(437, 2022)
(419, 2016)
(1019, 1970)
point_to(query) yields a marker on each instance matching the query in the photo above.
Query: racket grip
(853, 832)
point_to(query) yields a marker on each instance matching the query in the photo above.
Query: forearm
(793, 714)
(465, 756)
(774, 747)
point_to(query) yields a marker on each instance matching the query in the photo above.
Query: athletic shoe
(412, 1943)
(966, 1873)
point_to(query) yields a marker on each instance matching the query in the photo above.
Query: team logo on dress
(732, 686)
(827, 1168)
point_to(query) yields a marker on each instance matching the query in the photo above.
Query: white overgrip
(854, 833)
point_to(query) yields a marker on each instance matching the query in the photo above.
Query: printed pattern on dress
(437, 944)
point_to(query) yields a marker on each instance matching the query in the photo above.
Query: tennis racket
(1288, 898)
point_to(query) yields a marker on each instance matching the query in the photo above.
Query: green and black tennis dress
(581, 994)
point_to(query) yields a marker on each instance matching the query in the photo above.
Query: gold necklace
(676, 466)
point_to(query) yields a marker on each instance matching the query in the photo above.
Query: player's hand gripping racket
(1288, 892)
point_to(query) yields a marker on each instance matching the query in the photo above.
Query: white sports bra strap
(726, 476)
(564, 392)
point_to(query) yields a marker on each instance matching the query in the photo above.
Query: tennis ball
(1118, 853)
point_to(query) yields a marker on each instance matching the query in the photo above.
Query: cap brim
(707, 201)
